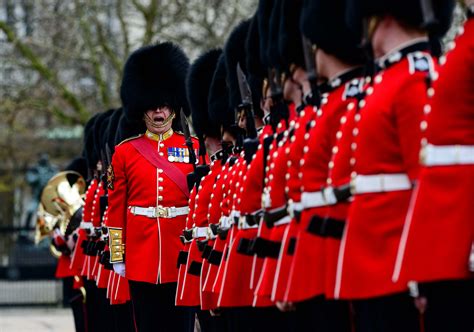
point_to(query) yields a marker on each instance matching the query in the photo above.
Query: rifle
(310, 63)
(250, 143)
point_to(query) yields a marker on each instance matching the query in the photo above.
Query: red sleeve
(117, 212)
(409, 110)
(87, 210)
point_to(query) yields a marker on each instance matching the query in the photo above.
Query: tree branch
(45, 72)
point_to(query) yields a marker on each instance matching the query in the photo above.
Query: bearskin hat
(100, 127)
(88, 151)
(408, 12)
(234, 51)
(220, 114)
(78, 165)
(273, 56)
(264, 12)
(112, 128)
(127, 128)
(290, 46)
(198, 83)
(255, 69)
(323, 22)
(155, 76)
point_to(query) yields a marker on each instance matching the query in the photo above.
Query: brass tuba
(61, 204)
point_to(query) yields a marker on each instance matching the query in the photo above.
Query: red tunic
(439, 232)
(152, 245)
(78, 257)
(385, 141)
(307, 277)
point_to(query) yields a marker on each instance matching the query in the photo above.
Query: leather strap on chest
(147, 150)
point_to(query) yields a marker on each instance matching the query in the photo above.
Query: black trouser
(249, 319)
(450, 305)
(154, 308)
(98, 313)
(73, 298)
(123, 317)
(392, 313)
(209, 323)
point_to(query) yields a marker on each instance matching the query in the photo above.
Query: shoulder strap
(145, 148)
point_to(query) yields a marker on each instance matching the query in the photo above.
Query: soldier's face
(159, 119)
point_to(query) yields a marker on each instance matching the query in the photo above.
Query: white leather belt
(294, 207)
(283, 221)
(226, 222)
(363, 184)
(86, 225)
(160, 211)
(318, 198)
(244, 225)
(444, 155)
(199, 232)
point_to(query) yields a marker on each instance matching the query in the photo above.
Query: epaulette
(129, 139)
(181, 133)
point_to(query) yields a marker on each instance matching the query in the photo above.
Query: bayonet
(187, 136)
(247, 105)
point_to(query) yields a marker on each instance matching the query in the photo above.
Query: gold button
(160, 198)
(160, 179)
(357, 117)
(160, 170)
(427, 109)
(343, 119)
(423, 125)
(161, 154)
(160, 188)
(355, 131)
(339, 134)
(354, 146)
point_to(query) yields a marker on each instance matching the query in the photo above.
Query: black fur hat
(100, 127)
(198, 83)
(264, 12)
(255, 69)
(408, 12)
(252, 50)
(234, 53)
(127, 128)
(155, 76)
(88, 151)
(273, 56)
(220, 114)
(78, 165)
(112, 128)
(323, 22)
(290, 46)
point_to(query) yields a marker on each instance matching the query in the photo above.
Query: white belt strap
(226, 222)
(160, 211)
(294, 207)
(86, 225)
(363, 184)
(318, 198)
(199, 232)
(432, 155)
(244, 225)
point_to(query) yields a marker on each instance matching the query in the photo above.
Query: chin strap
(150, 121)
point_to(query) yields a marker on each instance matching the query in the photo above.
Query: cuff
(117, 247)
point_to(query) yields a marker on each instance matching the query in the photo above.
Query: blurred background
(61, 62)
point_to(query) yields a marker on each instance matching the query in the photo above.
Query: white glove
(119, 268)
(471, 259)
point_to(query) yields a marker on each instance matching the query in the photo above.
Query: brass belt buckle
(162, 212)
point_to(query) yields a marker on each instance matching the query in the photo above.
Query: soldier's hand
(119, 268)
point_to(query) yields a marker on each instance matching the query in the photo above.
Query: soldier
(148, 194)
(438, 236)
(384, 164)
(196, 236)
(339, 64)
